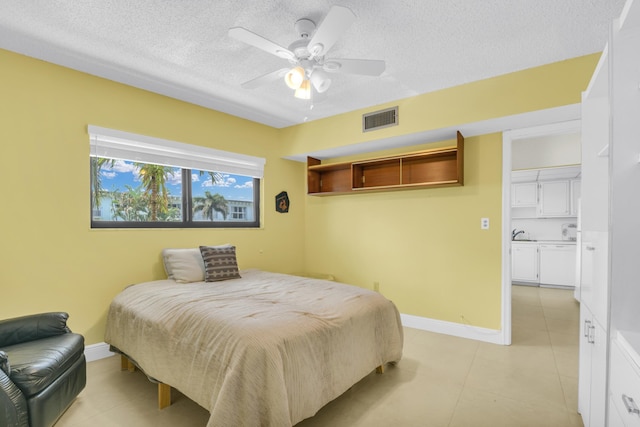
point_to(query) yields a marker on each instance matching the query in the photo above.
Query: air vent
(380, 119)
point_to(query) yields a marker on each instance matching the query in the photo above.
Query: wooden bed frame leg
(126, 364)
(164, 390)
(380, 369)
(164, 395)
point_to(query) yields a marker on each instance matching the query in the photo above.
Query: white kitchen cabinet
(624, 215)
(557, 264)
(545, 193)
(543, 263)
(524, 194)
(592, 371)
(624, 384)
(614, 417)
(554, 199)
(524, 262)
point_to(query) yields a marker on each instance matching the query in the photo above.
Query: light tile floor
(440, 381)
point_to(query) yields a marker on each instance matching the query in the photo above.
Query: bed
(260, 349)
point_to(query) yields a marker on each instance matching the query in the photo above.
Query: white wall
(546, 151)
(542, 228)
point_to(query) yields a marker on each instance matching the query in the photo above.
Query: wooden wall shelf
(430, 168)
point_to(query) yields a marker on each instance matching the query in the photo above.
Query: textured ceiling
(181, 48)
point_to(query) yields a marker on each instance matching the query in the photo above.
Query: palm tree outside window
(128, 194)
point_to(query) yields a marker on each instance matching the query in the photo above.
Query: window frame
(120, 145)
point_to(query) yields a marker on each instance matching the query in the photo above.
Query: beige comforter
(264, 350)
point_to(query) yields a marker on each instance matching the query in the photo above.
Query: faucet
(515, 233)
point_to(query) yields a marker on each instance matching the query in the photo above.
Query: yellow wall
(50, 259)
(425, 247)
(551, 85)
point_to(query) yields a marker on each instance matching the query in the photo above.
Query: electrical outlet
(376, 286)
(484, 223)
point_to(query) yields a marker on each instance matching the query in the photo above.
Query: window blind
(116, 144)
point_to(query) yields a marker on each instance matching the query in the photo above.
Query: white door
(599, 304)
(584, 367)
(599, 342)
(576, 189)
(595, 165)
(587, 258)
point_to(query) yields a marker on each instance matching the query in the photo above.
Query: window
(239, 212)
(142, 182)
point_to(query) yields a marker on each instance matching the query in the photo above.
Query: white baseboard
(97, 351)
(450, 328)
(101, 350)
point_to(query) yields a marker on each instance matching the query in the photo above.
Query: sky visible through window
(232, 187)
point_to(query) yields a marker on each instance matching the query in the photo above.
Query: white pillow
(184, 265)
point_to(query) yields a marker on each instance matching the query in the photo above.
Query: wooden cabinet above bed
(430, 168)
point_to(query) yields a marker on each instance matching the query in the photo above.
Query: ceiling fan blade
(265, 79)
(334, 24)
(367, 67)
(255, 40)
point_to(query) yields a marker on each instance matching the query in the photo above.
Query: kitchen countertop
(547, 242)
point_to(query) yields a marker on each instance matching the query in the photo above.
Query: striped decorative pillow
(220, 263)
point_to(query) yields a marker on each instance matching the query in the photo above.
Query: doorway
(537, 148)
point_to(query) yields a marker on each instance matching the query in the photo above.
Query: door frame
(508, 137)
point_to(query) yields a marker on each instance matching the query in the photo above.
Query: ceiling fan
(309, 66)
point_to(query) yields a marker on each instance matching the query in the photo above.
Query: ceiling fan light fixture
(304, 91)
(308, 69)
(316, 49)
(295, 77)
(320, 81)
(332, 66)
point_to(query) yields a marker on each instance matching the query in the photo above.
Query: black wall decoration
(282, 202)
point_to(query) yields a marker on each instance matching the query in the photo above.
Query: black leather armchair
(42, 369)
